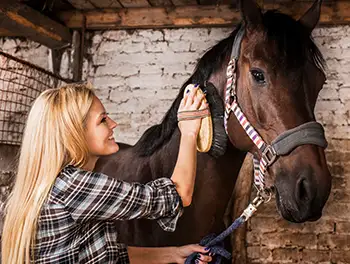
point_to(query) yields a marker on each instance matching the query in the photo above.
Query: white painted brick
(152, 35)
(8, 44)
(344, 94)
(106, 82)
(338, 132)
(156, 47)
(328, 94)
(331, 105)
(108, 46)
(115, 58)
(180, 46)
(331, 31)
(119, 95)
(102, 94)
(125, 70)
(185, 34)
(96, 38)
(133, 47)
(176, 68)
(147, 81)
(175, 58)
(151, 69)
(334, 118)
(117, 35)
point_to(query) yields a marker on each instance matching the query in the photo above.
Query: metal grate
(20, 83)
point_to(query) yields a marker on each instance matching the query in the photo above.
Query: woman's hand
(181, 253)
(191, 101)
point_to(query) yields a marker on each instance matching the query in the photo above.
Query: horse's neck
(163, 161)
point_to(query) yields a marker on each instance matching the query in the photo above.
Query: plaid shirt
(76, 222)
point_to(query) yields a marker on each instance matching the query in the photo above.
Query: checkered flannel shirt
(76, 222)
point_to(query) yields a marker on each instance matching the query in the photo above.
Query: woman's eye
(103, 120)
(258, 76)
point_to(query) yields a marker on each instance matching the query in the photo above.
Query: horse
(279, 72)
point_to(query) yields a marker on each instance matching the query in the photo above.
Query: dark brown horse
(279, 76)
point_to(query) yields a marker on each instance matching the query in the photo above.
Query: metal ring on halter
(265, 195)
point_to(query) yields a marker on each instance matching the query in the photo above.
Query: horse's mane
(286, 31)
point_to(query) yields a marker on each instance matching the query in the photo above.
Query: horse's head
(279, 75)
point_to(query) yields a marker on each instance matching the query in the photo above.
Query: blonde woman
(62, 212)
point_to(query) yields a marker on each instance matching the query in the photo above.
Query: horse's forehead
(260, 51)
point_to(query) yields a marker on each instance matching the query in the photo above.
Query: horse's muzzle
(302, 198)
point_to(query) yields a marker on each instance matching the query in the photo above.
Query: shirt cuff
(123, 256)
(168, 223)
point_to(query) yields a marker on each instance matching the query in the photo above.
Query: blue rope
(216, 244)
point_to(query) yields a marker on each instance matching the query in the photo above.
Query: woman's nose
(113, 124)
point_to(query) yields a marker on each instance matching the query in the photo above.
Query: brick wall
(137, 75)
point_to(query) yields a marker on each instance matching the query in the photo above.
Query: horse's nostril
(303, 190)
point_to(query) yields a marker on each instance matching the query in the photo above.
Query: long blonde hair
(53, 138)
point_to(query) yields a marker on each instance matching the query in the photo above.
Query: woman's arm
(185, 169)
(166, 255)
(95, 196)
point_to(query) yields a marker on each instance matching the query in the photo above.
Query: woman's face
(99, 131)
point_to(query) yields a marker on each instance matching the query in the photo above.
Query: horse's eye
(258, 76)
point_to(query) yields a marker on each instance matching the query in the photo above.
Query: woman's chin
(115, 148)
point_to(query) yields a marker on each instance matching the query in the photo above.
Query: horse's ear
(312, 16)
(251, 13)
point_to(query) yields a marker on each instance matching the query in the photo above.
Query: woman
(61, 212)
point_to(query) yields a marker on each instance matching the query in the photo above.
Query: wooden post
(241, 198)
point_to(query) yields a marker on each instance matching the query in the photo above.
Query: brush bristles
(216, 105)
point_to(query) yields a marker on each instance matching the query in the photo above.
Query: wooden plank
(208, 2)
(184, 2)
(182, 16)
(106, 3)
(6, 33)
(82, 4)
(94, 4)
(160, 2)
(151, 17)
(27, 22)
(134, 3)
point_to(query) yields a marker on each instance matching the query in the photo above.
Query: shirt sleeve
(95, 196)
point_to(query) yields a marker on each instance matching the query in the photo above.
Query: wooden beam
(154, 17)
(160, 2)
(6, 33)
(106, 3)
(134, 3)
(27, 22)
(81, 4)
(184, 2)
(94, 4)
(205, 16)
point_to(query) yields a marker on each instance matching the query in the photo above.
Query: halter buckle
(269, 155)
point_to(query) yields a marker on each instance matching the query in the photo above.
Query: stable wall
(137, 75)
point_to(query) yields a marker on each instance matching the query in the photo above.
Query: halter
(307, 133)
